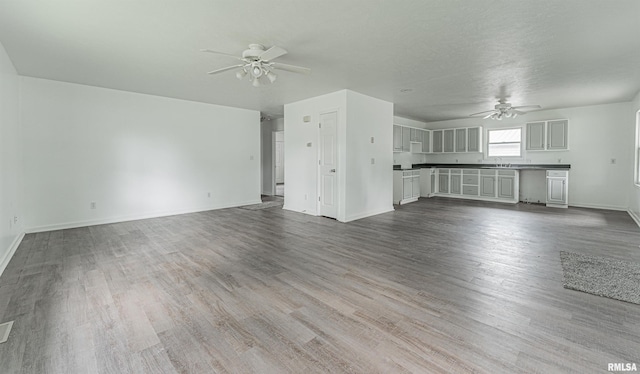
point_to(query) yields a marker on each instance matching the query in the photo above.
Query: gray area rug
(602, 276)
(265, 205)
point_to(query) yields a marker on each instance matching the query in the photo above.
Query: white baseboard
(12, 250)
(311, 213)
(598, 206)
(368, 214)
(104, 221)
(634, 216)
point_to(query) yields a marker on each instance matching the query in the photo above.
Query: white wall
(634, 189)
(368, 187)
(135, 155)
(405, 159)
(597, 134)
(363, 189)
(300, 160)
(11, 231)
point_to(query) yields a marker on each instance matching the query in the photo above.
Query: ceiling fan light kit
(504, 110)
(258, 63)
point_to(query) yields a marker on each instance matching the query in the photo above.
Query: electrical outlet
(372, 140)
(456, 160)
(613, 160)
(559, 160)
(251, 158)
(305, 196)
(208, 194)
(15, 219)
(92, 205)
(373, 160)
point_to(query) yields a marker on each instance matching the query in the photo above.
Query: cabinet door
(535, 136)
(461, 140)
(419, 135)
(556, 191)
(407, 188)
(448, 140)
(488, 185)
(557, 132)
(414, 135)
(437, 140)
(406, 139)
(473, 139)
(506, 187)
(433, 183)
(397, 138)
(443, 183)
(456, 184)
(426, 141)
(416, 186)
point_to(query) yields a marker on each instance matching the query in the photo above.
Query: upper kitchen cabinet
(448, 140)
(461, 140)
(397, 138)
(548, 135)
(437, 140)
(557, 134)
(458, 140)
(405, 136)
(474, 139)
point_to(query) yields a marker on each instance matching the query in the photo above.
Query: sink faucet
(499, 164)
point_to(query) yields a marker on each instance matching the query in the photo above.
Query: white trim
(598, 206)
(509, 158)
(368, 214)
(634, 216)
(12, 250)
(103, 221)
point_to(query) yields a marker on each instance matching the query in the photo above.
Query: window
(505, 143)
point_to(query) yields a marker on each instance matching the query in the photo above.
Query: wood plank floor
(438, 286)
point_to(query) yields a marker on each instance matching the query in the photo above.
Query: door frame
(318, 171)
(273, 160)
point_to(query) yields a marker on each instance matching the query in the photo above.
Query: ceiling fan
(258, 63)
(504, 110)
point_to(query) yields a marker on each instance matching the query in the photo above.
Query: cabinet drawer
(470, 190)
(557, 173)
(470, 171)
(443, 171)
(487, 172)
(456, 171)
(416, 172)
(470, 179)
(509, 173)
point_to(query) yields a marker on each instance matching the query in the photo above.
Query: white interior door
(328, 163)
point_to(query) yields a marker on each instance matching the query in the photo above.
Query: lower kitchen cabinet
(558, 188)
(479, 184)
(406, 186)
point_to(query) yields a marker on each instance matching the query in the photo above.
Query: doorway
(327, 165)
(278, 174)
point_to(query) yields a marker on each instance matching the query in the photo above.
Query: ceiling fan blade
(291, 68)
(481, 113)
(515, 111)
(225, 69)
(488, 115)
(527, 107)
(272, 53)
(222, 54)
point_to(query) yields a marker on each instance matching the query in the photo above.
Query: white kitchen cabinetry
(547, 135)
(474, 139)
(479, 184)
(406, 186)
(397, 138)
(427, 182)
(404, 137)
(461, 140)
(558, 188)
(437, 141)
(449, 140)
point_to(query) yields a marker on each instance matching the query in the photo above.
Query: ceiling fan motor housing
(254, 52)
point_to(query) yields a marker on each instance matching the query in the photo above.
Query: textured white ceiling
(457, 56)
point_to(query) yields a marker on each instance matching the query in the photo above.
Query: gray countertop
(489, 166)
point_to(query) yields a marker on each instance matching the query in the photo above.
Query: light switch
(306, 119)
(309, 144)
(372, 140)
(373, 161)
